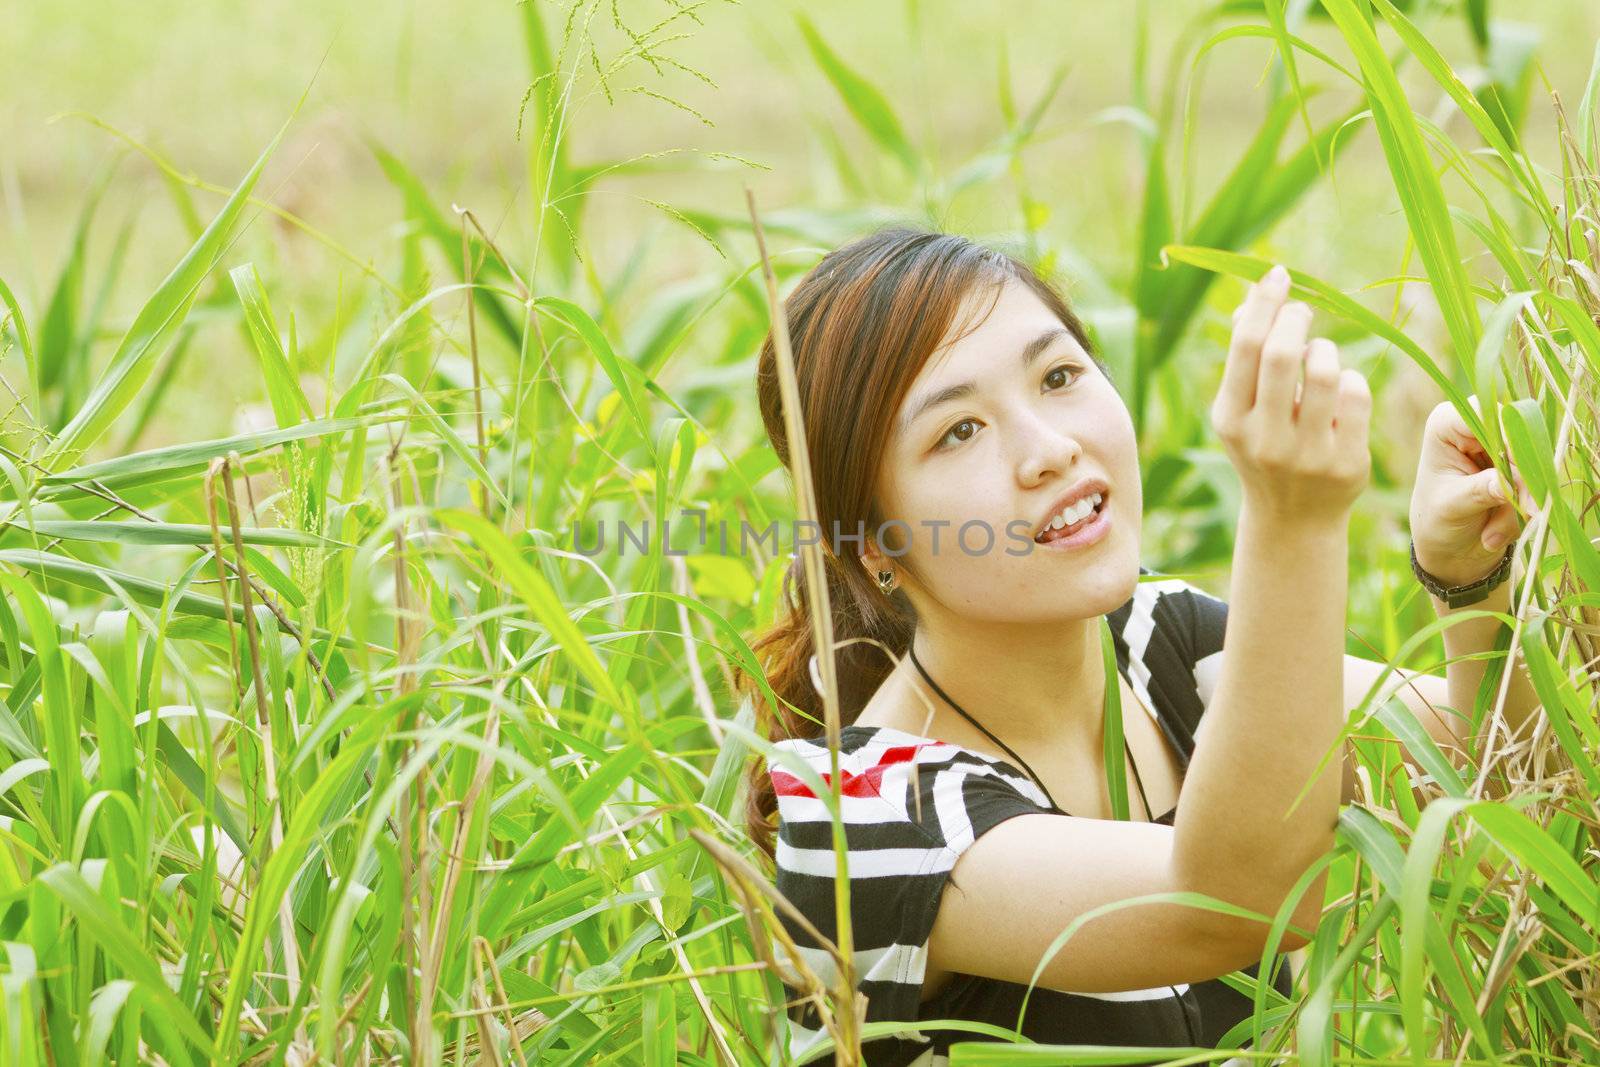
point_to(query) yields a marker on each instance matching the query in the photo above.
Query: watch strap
(1458, 596)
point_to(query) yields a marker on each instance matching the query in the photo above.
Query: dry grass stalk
(816, 584)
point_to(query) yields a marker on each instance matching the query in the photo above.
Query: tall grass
(325, 742)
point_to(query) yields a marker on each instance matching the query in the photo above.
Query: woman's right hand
(1300, 458)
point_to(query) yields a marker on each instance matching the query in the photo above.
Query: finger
(1500, 530)
(1518, 490)
(1449, 426)
(1320, 391)
(1282, 354)
(1469, 497)
(1238, 389)
(1354, 412)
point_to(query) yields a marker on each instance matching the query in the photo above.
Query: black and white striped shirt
(905, 830)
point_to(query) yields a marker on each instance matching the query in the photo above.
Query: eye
(951, 437)
(952, 430)
(1077, 372)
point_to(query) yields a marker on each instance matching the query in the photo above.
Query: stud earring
(885, 581)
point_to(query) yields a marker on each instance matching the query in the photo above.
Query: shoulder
(1169, 636)
(908, 806)
(893, 786)
(1175, 609)
(1200, 618)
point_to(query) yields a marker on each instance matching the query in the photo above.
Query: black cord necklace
(1183, 1006)
(1020, 761)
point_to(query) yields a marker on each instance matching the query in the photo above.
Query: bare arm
(1063, 867)
(1443, 705)
(1465, 639)
(1275, 715)
(1261, 794)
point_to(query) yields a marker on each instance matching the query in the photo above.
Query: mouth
(1078, 510)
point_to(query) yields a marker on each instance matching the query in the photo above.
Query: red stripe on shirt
(864, 784)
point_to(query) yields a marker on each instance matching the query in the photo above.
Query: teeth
(1074, 512)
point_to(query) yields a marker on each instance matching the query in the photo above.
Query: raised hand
(1301, 453)
(1461, 516)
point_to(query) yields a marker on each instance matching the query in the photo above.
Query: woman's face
(997, 458)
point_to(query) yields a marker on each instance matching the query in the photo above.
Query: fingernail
(1278, 279)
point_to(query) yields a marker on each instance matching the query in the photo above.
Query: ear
(872, 559)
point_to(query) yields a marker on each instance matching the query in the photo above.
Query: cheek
(963, 491)
(1115, 430)
(935, 511)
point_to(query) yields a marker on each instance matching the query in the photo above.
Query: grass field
(325, 329)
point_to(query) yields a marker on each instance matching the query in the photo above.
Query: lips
(1086, 487)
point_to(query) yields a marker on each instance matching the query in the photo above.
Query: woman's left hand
(1461, 519)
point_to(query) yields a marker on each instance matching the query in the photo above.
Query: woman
(958, 416)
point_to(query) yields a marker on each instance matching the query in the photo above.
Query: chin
(1110, 582)
(1114, 587)
(1106, 584)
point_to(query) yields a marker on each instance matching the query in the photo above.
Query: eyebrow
(1030, 352)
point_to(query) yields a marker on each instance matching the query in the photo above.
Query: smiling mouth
(1054, 533)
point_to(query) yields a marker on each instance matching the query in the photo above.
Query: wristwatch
(1458, 596)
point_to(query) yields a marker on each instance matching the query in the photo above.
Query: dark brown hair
(862, 323)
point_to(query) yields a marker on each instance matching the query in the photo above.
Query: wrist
(1453, 572)
(1455, 588)
(1289, 525)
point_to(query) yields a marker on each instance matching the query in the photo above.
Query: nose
(1045, 450)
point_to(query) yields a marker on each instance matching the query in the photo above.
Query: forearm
(1276, 715)
(1467, 638)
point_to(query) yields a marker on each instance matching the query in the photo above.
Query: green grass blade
(1486, 361)
(122, 951)
(147, 591)
(289, 403)
(1421, 195)
(1534, 453)
(19, 325)
(154, 326)
(1563, 707)
(1587, 110)
(864, 101)
(1320, 294)
(1398, 718)
(187, 460)
(168, 533)
(536, 592)
(1533, 847)
(1113, 749)
(447, 433)
(588, 331)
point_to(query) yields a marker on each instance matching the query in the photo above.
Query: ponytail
(860, 610)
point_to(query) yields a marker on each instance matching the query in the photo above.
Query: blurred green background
(541, 677)
(206, 85)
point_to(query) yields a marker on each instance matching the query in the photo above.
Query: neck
(1051, 687)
